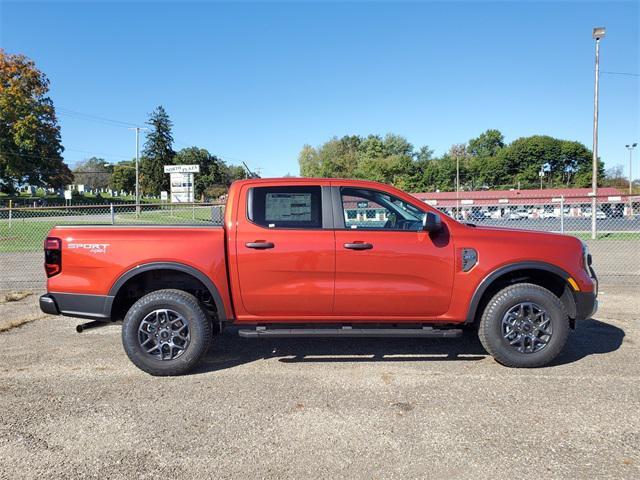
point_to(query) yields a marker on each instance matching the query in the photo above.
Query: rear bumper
(48, 305)
(96, 307)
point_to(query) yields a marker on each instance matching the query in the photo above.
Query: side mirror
(431, 222)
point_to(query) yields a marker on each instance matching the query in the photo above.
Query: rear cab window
(285, 207)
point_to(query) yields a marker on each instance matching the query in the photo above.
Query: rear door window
(286, 207)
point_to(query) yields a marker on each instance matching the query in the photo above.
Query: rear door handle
(358, 246)
(259, 245)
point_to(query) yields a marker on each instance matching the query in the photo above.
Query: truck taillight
(52, 256)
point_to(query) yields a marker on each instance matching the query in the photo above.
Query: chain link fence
(23, 230)
(617, 238)
(614, 250)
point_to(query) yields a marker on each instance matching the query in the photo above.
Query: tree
(233, 173)
(488, 172)
(123, 177)
(93, 173)
(389, 159)
(30, 147)
(309, 161)
(211, 181)
(485, 162)
(157, 152)
(566, 163)
(487, 144)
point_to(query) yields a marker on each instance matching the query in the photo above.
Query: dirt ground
(72, 405)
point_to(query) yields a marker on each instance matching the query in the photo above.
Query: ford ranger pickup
(321, 257)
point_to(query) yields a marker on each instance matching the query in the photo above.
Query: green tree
(485, 162)
(123, 177)
(485, 167)
(211, 181)
(336, 158)
(388, 159)
(93, 173)
(233, 173)
(30, 147)
(158, 152)
(487, 144)
(566, 163)
(424, 154)
(488, 172)
(309, 162)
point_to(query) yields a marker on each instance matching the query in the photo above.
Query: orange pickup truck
(321, 257)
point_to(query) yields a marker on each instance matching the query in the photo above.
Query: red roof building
(520, 197)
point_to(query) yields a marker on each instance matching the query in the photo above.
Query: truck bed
(95, 257)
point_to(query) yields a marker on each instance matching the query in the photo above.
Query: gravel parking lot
(72, 405)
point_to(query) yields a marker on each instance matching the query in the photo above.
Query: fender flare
(180, 267)
(486, 282)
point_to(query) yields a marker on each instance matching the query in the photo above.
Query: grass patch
(16, 296)
(6, 325)
(27, 234)
(607, 235)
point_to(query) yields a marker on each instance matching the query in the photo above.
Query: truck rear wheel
(166, 332)
(524, 326)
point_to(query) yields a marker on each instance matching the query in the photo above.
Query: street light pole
(541, 175)
(598, 34)
(630, 148)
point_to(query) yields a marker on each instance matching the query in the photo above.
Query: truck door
(386, 264)
(285, 250)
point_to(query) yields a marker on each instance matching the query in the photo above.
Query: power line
(94, 118)
(42, 157)
(117, 123)
(622, 73)
(220, 155)
(97, 153)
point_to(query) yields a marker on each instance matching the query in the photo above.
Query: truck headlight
(587, 258)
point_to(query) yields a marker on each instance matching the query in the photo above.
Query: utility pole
(598, 34)
(630, 148)
(457, 185)
(137, 129)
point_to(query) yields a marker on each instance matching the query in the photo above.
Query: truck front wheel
(524, 325)
(166, 332)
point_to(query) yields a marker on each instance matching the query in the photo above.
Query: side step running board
(262, 332)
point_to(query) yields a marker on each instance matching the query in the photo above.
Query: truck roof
(310, 180)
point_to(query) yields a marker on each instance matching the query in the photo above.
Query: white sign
(67, 194)
(164, 196)
(182, 169)
(466, 202)
(182, 188)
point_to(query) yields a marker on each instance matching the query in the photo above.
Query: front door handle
(358, 246)
(259, 245)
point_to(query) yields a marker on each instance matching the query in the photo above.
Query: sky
(255, 82)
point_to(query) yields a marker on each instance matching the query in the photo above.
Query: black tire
(491, 327)
(199, 330)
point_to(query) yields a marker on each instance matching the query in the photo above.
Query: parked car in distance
(548, 214)
(477, 216)
(326, 258)
(600, 215)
